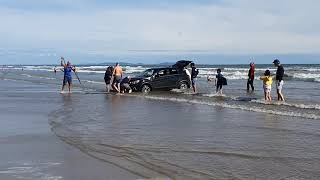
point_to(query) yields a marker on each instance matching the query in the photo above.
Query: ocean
(181, 135)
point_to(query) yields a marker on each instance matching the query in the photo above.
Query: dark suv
(162, 78)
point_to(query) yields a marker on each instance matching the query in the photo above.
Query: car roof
(162, 68)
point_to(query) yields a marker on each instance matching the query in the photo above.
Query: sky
(150, 31)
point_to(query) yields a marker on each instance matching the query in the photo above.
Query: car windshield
(147, 73)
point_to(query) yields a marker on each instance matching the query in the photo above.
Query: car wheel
(183, 85)
(145, 88)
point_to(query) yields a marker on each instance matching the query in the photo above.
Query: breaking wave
(301, 73)
(260, 109)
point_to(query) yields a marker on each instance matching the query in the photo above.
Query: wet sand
(30, 150)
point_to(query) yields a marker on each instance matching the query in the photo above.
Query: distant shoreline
(142, 64)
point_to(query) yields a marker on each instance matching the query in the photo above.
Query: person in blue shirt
(67, 77)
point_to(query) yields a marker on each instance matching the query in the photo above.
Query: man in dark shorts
(117, 76)
(279, 79)
(194, 74)
(67, 78)
(125, 85)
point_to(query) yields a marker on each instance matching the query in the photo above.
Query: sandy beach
(30, 150)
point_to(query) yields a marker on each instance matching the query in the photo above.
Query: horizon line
(164, 63)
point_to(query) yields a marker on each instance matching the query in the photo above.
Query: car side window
(161, 73)
(173, 71)
(148, 73)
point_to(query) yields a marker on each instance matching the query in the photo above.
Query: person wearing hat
(279, 79)
(251, 77)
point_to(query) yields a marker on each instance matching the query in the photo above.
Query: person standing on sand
(251, 77)
(117, 76)
(279, 79)
(108, 77)
(67, 78)
(194, 74)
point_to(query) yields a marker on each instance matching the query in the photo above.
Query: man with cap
(279, 79)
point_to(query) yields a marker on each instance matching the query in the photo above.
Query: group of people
(114, 79)
(192, 76)
(267, 79)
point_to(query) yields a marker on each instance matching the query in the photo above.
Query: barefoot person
(108, 77)
(67, 78)
(117, 76)
(220, 81)
(251, 77)
(279, 79)
(194, 74)
(267, 82)
(55, 70)
(187, 72)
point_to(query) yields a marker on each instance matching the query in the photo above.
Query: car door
(158, 81)
(172, 78)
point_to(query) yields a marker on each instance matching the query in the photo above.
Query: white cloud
(237, 26)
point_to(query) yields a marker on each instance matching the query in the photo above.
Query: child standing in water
(220, 81)
(267, 82)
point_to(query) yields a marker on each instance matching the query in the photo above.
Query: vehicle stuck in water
(167, 78)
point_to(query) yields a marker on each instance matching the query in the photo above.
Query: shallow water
(186, 141)
(178, 135)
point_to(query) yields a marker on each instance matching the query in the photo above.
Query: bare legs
(250, 83)
(194, 88)
(280, 95)
(219, 90)
(62, 88)
(116, 87)
(267, 96)
(69, 88)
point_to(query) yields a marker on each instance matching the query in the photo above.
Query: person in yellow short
(267, 82)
